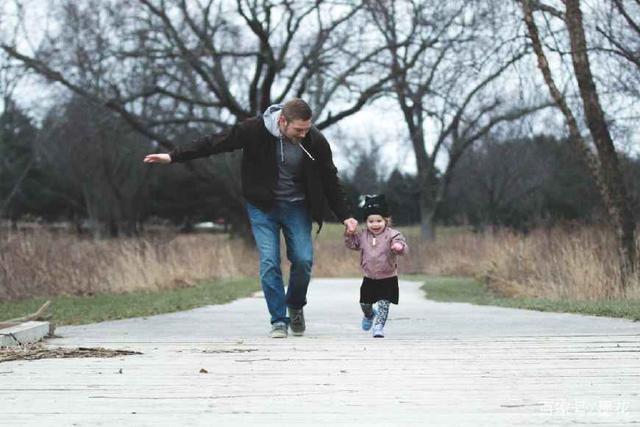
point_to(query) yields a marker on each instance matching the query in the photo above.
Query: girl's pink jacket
(377, 260)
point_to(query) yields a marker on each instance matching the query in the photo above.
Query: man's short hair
(296, 109)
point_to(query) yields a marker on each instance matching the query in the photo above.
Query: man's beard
(292, 140)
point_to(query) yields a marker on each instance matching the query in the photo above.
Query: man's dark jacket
(260, 170)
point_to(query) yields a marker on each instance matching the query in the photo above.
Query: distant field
(577, 263)
(332, 231)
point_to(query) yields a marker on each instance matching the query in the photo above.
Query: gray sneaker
(297, 321)
(279, 330)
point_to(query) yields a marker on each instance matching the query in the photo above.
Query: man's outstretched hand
(158, 158)
(351, 224)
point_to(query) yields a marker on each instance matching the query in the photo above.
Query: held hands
(397, 247)
(158, 158)
(351, 224)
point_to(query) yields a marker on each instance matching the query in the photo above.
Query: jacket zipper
(373, 241)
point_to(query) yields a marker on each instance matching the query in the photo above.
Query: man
(287, 176)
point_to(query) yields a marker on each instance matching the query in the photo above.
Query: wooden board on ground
(440, 364)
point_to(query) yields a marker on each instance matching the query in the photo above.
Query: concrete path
(440, 365)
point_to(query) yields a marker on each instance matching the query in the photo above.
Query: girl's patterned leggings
(383, 312)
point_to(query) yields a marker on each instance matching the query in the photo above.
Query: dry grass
(575, 263)
(454, 253)
(44, 263)
(578, 263)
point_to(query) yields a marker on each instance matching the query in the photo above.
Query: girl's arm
(352, 241)
(399, 244)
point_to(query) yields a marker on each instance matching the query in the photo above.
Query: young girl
(379, 246)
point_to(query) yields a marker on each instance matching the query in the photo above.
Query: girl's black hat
(374, 204)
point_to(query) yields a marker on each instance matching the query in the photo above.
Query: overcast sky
(381, 122)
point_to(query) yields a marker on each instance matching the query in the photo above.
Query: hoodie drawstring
(299, 144)
(305, 150)
(281, 150)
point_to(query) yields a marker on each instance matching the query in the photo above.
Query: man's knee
(304, 260)
(270, 268)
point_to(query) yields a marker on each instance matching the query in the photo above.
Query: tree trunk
(427, 224)
(604, 168)
(615, 193)
(428, 203)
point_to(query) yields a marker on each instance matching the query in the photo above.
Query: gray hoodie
(289, 157)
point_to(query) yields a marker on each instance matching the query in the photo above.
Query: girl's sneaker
(367, 322)
(378, 332)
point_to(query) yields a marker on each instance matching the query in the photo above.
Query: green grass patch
(75, 310)
(457, 289)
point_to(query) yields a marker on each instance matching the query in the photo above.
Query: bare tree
(10, 127)
(166, 66)
(501, 182)
(163, 64)
(603, 163)
(444, 72)
(618, 22)
(76, 145)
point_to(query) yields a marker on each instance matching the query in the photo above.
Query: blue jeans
(295, 222)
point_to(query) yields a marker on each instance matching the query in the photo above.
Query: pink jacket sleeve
(399, 238)
(352, 241)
